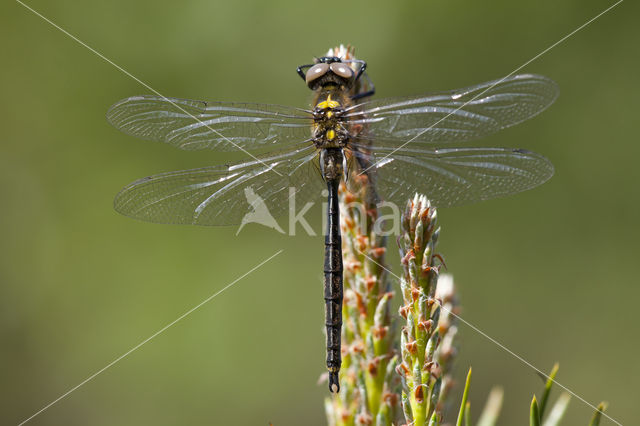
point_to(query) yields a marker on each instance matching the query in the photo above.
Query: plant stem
(367, 378)
(424, 361)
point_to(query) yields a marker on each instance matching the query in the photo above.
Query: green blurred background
(551, 273)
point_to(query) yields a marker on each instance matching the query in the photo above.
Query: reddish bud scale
(425, 325)
(378, 252)
(361, 304)
(403, 311)
(425, 214)
(408, 257)
(390, 398)
(379, 332)
(351, 266)
(419, 394)
(403, 369)
(370, 282)
(364, 419)
(372, 366)
(349, 198)
(425, 270)
(357, 348)
(415, 292)
(349, 224)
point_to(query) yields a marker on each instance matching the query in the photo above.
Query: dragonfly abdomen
(333, 285)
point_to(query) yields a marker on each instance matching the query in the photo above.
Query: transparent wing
(456, 116)
(196, 125)
(454, 176)
(224, 195)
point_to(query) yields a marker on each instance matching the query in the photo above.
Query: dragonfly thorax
(328, 123)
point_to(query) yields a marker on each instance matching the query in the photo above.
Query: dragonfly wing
(455, 176)
(224, 195)
(456, 116)
(196, 125)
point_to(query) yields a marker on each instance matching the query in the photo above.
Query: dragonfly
(425, 143)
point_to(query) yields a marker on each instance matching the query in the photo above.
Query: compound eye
(316, 71)
(342, 70)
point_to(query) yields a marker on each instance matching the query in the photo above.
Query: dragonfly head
(329, 70)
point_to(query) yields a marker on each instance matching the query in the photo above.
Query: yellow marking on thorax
(331, 134)
(328, 103)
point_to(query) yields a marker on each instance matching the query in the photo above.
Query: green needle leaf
(465, 395)
(489, 416)
(547, 389)
(435, 419)
(595, 420)
(467, 414)
(558, 410)
(534, 414)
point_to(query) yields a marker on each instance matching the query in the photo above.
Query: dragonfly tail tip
(334, 382)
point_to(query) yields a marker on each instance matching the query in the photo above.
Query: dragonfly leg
(369, 92)
(300, 70)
